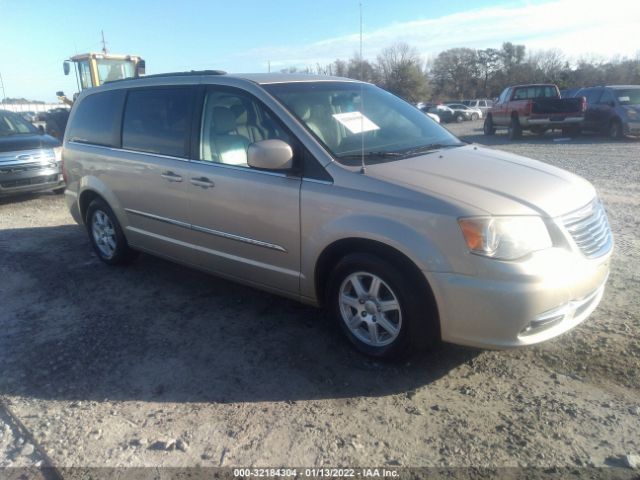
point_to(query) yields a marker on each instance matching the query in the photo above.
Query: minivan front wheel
(106, 235)
(381, 312)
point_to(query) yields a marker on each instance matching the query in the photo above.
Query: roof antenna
(363, 168)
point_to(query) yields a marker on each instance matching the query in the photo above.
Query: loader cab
(95, 69)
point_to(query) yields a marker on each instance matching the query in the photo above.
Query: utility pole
(269, 66)
(4, 95)
(104, 44)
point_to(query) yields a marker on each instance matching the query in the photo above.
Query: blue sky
(243, 35)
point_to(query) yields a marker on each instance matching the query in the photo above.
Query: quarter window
(157, 120)
(97, 119)
(231, 121)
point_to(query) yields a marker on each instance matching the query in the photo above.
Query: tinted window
(504, 95)
(231, 121)
(527, 93)
(157, 120)
(607, 97)
(591, 94)
(97, 119)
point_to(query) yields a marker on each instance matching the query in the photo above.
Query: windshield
(109, 70)
(12, 124)
(345, 116)
(628, 96)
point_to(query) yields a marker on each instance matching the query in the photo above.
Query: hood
(498, 183)
(16, 143)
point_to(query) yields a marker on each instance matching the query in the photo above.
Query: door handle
(170, 176)
(203, 182)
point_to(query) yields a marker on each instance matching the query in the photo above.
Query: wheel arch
(337, 250)
(91, 188)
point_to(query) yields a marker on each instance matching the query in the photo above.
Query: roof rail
(173, 74)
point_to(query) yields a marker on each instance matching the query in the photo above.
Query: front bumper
(543, 297)
(632, 129)
(47, 180)
(29, 171)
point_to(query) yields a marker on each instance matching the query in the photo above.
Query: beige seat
(226, 145)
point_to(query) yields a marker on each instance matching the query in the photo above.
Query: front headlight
(632, 114)
(505, 238)
(57, 152)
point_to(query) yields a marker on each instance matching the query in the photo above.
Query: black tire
(488, 127)
(122, 253)
(459, 118)
(615, 131)
(59, 191)
(515, 130)
(419, 325)
(474, 116)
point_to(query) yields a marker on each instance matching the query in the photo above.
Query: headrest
(302, 110)
(240, 112)
(223, 120)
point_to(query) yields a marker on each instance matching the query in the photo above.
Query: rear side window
(97, 119)
(528, 93)
(157, 120)
(591, 94)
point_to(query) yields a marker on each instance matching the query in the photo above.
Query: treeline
(460, 73)
(18, 101)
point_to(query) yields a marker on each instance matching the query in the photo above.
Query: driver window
(231, 121)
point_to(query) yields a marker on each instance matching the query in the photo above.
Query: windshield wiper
(429, 148)
(351, 156)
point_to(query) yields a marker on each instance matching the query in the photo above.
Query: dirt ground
(159, 365)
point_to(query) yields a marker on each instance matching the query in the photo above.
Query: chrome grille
(589, 229)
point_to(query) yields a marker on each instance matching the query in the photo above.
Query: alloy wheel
(370, 309)
(104, 233)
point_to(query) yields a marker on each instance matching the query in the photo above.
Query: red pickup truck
(537, 108)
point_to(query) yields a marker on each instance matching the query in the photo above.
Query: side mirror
(270, 155)
(66, 67)
(59, 93)
(141, 68)
(41, 130)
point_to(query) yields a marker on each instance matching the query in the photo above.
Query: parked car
(483, 104)
(433, 116)
(446, 114)
(612, 110)
(537, 108)
(295, 185)
(470, 113)
(29, 159)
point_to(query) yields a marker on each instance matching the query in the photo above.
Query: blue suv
(612, 110)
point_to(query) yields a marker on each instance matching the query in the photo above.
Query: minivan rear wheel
(106, 236)
(381, 312)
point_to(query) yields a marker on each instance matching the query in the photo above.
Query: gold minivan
(335, 192)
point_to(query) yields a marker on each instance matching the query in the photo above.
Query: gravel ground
(159, 365)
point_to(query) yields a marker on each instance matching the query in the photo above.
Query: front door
(245, 222)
